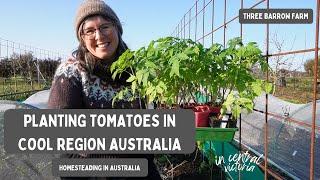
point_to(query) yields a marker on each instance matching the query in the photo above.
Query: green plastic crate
(215, 134)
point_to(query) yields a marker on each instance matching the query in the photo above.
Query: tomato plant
(172, 70)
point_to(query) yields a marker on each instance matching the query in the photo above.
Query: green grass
(297, 90)
(11, 87)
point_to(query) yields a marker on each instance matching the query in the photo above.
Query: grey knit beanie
(95, 7)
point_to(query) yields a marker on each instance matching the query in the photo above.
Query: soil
(187, 166)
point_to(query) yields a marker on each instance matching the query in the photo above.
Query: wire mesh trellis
(25, 69)
(7, 48)
(209, 21)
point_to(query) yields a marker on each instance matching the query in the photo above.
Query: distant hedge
(26, 65)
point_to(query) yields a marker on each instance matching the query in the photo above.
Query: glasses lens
(104, 29)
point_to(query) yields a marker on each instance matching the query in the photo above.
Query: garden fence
(25, 69)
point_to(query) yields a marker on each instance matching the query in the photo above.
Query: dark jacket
(74, 88)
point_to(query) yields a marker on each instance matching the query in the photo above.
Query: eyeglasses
(104, 29)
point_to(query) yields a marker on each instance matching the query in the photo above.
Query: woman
(85, 80)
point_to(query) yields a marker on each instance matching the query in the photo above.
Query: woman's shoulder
(70, 68)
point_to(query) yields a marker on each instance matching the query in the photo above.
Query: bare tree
(282, 65)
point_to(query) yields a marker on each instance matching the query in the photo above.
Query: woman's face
(100, 37)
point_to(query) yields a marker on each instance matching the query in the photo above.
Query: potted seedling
(235, 85)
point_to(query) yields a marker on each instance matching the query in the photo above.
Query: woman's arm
(66, 90)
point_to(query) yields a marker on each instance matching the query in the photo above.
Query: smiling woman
(85, 80)
(100, 37)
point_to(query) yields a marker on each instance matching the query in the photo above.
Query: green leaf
(150, 64)
(121, 95)
(159, 89)
(115, 73)
(152, 96)
(133, 87)
(250, 107)
(268, 87)
(131, 78)
(196, 50)
(149, 90)
(139, 76)
(236, 110)
(229, 101)
(182, 56)
(175, 67)
(189, 51)
(256, 87)
(113, 66)
(145, 78)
